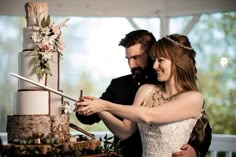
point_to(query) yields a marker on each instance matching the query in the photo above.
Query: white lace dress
(161, 140)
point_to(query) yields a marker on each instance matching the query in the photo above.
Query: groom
(122, 90)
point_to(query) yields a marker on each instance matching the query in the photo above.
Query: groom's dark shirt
(122, 90)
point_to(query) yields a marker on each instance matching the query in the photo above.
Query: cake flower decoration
(47, 39)
(66, 109)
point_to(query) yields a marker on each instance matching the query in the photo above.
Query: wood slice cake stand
(77, 147)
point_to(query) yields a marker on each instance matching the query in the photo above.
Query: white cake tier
(31, 103)
(26, 69)
(27, 41)
(36, 103)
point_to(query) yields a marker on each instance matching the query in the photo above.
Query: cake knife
(81, 130)
(45, 87)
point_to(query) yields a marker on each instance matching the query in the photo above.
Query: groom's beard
(138, 73)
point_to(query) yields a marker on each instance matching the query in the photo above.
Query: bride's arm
(186, 105)
(120, 128)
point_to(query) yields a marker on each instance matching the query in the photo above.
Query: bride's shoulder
(192, 96)
(149, 87)
(194, 93)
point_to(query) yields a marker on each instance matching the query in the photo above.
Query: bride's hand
(90, 105)
(77, 106)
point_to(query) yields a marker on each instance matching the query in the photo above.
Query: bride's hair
(178, 49)
(198, 133)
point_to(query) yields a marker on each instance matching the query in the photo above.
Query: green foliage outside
(217, 39)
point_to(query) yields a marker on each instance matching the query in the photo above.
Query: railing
(223, 143)
(219, 143)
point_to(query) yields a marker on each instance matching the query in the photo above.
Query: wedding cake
(40, 121)
(36, 111)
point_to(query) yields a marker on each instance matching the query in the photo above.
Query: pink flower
(56, 29)
(43, 44)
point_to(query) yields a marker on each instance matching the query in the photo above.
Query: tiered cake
(38, 112)
(40, 121)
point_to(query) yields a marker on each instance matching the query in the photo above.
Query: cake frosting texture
(32, 103)
(28, 43)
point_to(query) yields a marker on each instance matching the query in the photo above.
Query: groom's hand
(186, 151)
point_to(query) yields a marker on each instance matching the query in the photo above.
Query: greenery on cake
(47, 39)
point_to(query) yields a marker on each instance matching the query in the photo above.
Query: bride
(165, 114)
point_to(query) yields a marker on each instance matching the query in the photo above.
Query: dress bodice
(163, 140)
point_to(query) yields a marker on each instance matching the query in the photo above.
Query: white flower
(45, 31)
(66, 109)
(55, 37)
(46, 55)
(36, 37)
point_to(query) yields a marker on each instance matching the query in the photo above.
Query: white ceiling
(123, 8)
(164, 9)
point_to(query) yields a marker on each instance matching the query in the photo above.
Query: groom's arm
(194, 149)
(203, 147)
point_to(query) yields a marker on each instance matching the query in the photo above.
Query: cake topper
(35, 13)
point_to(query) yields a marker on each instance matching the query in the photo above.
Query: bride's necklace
(158, 95)
(169, 98)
